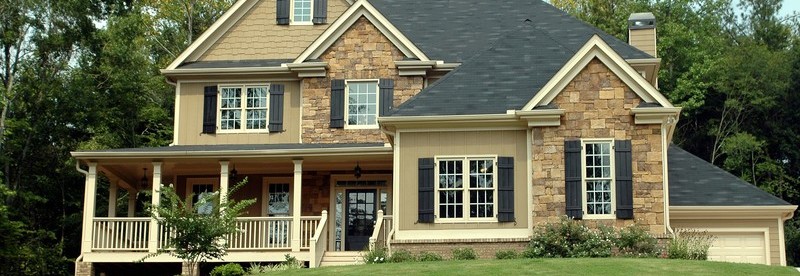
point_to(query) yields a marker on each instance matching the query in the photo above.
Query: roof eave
(315, 152)
(731, 212)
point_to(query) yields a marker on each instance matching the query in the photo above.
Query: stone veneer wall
(598, 105)
(84, 269)
(484, 249)
(362, 52)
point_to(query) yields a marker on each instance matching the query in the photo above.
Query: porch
(305, 205)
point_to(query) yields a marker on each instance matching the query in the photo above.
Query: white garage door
(738, 248)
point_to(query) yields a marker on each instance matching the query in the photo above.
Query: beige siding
(430, 144)
(772, 224)
(257, 36)
(644, 40)
(190, 119)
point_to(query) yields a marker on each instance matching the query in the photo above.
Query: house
(421, 125)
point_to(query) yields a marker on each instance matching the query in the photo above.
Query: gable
(256, 36)
(361, 8)
(596, 48)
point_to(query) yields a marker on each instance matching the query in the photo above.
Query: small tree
(200, 233)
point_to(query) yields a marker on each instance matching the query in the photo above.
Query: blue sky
(790, 6)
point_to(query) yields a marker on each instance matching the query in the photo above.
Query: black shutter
(505, 189)
(320, 12)
(572, 177)
(426, 175)
(386, 87)
(210, 109)
(282, 12)
(337, 103)
(624, 178)
(276, 108)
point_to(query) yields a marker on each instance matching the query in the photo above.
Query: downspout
(666, 127)
(85, 174)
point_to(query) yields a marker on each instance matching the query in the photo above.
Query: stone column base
(185, 270)
(84, 269)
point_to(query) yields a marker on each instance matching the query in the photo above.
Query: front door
(360, 217)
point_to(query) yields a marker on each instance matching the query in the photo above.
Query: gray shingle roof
(695, 182)
(453, 31)
(207, 148)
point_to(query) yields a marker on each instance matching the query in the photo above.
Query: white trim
(396, 184)
(192, 181)
(465, 189)
(311, 152)
(242, 108)
(301, 23)
(265, 182)
(213, 33)
(347, 19)
(228, 71)
(781, 242)
(240, 81)
(462, 129)
(765, 230)
(612, 184)
(347, 103)
(529, 179)
(462, 234)
(176, 127)
(597, 48)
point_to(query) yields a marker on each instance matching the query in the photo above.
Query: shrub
(689, 245)
(231, 269)
(506, 254)
(401, 256)
(289, 263)
(635, 241)
(464, 254)
(375, 256)
(429, 257)
(569, 238)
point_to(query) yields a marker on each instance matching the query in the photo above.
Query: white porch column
(155, 201)
(296, 206)
(112, 199)
(223, 181)
(132, 203)
(88, 207)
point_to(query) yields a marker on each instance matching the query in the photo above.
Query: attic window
(301, 11)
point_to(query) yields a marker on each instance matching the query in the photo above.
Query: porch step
(339, 258)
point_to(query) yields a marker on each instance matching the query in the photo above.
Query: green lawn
(611, 266)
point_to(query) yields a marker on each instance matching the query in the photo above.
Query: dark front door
(360, 218)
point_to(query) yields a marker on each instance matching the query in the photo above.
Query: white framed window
(598, 179)
(302, 12)
(466, 188)
(243, 108)
(361, 104)
(200, 190)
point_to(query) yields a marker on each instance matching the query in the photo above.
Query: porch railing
(120, 234)
(308, 226)
(381, 235)
(261, 233)
(319, 242)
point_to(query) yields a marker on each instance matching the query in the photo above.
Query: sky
(790, 6)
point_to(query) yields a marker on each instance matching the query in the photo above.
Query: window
(301, 11)
(598, 180)
(361, 100)
(466, 188)
(278, 205)
(201, 191)
(243, 108)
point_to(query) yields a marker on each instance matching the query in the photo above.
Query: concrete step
(334, 258)
(343, 253)
(326, 264)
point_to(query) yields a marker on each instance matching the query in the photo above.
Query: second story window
(361, 104)
(243, 108)
(301, 11)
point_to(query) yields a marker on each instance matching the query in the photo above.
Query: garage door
(738, 248)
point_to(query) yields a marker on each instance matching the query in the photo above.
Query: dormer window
(301, 11)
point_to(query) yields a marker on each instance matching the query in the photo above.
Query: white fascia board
(233, 70)
(350, 16)
(597, 48)
(383, 150)
(213, 33)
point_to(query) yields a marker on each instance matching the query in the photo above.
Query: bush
(288, 264)
(464, 254)
(635, 241)
(506, 254)
(689, 245)
(429, 257)
(376, 256)
(231, 269)
(569, 239)
(401, 256)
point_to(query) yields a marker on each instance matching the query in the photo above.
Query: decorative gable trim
(214, 33)
(339, 27)
(597, 48)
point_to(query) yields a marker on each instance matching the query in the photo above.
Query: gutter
(665, 170)
(238, 153)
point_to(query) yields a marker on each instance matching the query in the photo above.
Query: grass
(611, 266)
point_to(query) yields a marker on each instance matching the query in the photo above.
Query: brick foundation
(84, 269)
(484, 250)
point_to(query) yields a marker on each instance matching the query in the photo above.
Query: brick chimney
(642, 32)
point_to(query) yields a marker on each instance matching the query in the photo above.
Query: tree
(200, 233)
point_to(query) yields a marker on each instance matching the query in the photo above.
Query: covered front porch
(307, 202)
